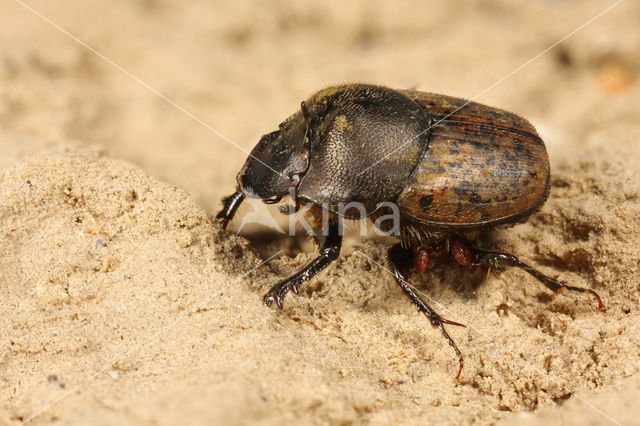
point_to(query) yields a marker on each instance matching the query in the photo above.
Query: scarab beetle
(454, 169)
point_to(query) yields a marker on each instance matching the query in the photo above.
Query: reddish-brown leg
(420, 259)
(469, 256)
(462, 254)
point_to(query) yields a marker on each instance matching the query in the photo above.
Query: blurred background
(240, 68)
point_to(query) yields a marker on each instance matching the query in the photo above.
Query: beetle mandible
(455, 169)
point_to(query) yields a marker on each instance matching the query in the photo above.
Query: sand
(123, 300)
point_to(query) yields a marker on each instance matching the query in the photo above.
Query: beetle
(455, 169)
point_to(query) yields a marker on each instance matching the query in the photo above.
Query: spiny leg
(329, 252)
(402, 260)
(468, 255)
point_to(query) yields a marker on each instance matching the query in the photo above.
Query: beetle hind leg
(403, 262)
(496, 261)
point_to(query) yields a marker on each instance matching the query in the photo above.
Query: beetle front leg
(402, 262)
(497, 260)
(329, 252)
(231, 204)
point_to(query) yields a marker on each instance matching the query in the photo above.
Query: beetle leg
(496, 260)
(463, 254)
(231, 204)
(420, 259)
(402, 261)
(328, 253)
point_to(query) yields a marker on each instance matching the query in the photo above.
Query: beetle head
(279, 161)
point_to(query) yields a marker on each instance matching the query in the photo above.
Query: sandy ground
(123, 301)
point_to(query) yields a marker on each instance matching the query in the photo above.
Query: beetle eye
(294, 178)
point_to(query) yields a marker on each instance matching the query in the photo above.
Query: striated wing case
(483, 166)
